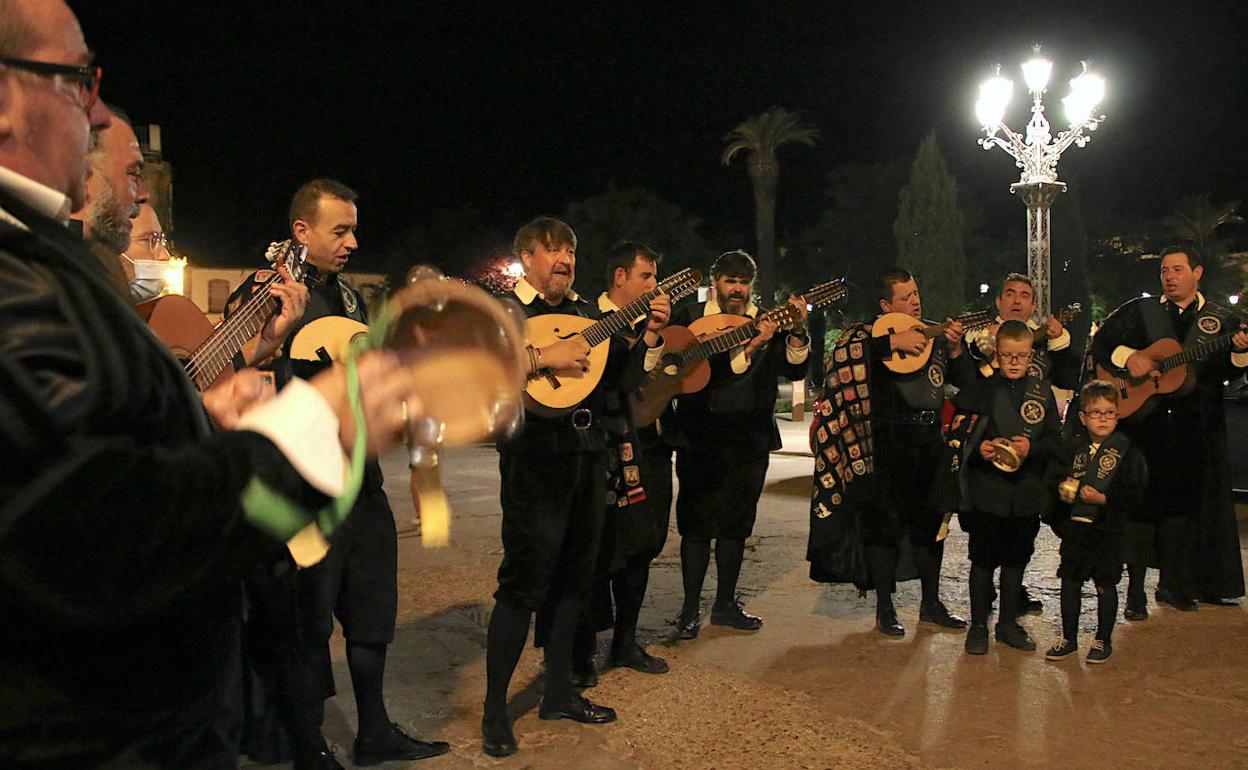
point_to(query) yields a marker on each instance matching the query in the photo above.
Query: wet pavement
(816, 687)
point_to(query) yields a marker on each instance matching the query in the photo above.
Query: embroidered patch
(843, 420)
(348, 299)
(832, 454)
(1032, 411)
(819, 464)
(863, 391)
(855, 452)
(849, 436)
(821, 510)
(866, 406)
(825, 408)
(827, 481)
(1106, 465)
(860, 372)
(821, 434)
(849, 393)
(632, 475)
(860, 467)
(1034, 370)
(935, 376)
(836, 498)
(1081, 462)
(1209, 324)
(845, 374)
(856, 410)
(626, 451)
(841, 355)
(855, 350)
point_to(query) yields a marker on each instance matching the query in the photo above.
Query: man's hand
(910, 342)
(1139, 364)
(572, 353)
(1089, 495)
(766, 330)
(1054, 327)
(292, 296)
(227, 401)
(660, 313)
(800, 304)
(1021, 445)
(1239, 340)
(987, 451)
(953, 333)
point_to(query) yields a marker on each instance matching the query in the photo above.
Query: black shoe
(1182, 603)
(638, 660)
(687, 626)
(977, 640)
(497, 740)
(584, 675)
(1100, 652)
(1015, 636)
(1061, 649)
(1215, 601)
(1136, 611)
(578, 709)
(886, 622)
(322, 760)
(1028, 604)
(734, 616)
(940, 615)
(395, 745)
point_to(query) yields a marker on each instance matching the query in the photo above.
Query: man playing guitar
(1191, 529)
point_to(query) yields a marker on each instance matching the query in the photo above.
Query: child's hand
(1089, 495)
(1021, 445)
(987, 451)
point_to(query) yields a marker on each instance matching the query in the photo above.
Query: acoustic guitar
(684, 367)
(207, 352)
(555, 392)
(905, 363)
(1064, 316)
(1171, 373)
(326, 339)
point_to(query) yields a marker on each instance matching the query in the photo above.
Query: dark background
(519, 108)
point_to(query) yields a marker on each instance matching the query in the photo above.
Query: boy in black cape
(1003, 482)
(1100, 480)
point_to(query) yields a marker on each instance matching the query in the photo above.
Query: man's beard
(108, 224)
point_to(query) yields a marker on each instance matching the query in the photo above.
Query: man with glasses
(123, 518)
(1187, 523)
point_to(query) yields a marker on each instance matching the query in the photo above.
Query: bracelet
(532, 359)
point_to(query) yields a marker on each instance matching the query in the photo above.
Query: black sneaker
(1136, 611)
(940, 615)
(1061, 649)
(977, 640)
(734, 616)
(1015, 636)
(688, 625)
(1100, 652)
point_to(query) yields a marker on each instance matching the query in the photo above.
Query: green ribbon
(271, 511)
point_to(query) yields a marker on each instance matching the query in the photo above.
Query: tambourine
(1068, 489)
(1004, 456)
(465, 350)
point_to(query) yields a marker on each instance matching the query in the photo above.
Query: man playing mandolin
(1192, 533)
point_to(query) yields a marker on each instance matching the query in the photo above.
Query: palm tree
(1196, 220)
(760, 137)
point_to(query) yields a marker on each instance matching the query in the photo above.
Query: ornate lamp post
(1037, 152)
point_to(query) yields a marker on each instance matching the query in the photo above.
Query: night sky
(519, 108)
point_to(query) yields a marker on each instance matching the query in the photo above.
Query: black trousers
(719, 489)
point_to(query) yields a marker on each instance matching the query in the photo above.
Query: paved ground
(816, 687)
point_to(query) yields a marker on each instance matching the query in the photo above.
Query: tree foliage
(759, 137)
(928, 229)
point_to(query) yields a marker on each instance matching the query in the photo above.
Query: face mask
(149, 279)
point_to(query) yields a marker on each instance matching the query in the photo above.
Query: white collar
(1032, 323)
(527, 293)
(712, 308)
(40, 197)
(1200, 301)
(605, 304)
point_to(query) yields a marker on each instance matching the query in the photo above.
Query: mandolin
(684, 367)
(892, 323)
(1064, 317)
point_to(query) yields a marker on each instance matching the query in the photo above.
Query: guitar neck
(818, 297)
(623, 318)
(1197, 352)
(217, 352)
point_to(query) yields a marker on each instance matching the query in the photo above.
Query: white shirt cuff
(653, 355)
(739, 362)
(1061, 342)
(303, 427)
(1239, 360)
(1120, 355)
(796, 355)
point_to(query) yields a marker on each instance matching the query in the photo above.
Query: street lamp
(1037, 153)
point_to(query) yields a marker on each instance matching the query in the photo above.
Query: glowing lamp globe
(1036, 73)
(994, 97)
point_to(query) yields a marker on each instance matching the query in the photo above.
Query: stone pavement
(816, 687)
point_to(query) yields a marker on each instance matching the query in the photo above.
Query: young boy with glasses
(1100, 480)
(1003, 482)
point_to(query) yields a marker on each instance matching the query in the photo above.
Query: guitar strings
(213, 350)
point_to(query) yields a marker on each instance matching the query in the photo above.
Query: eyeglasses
(1014, 358)
(87, 79)
(153, 240)
(1101, 414)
